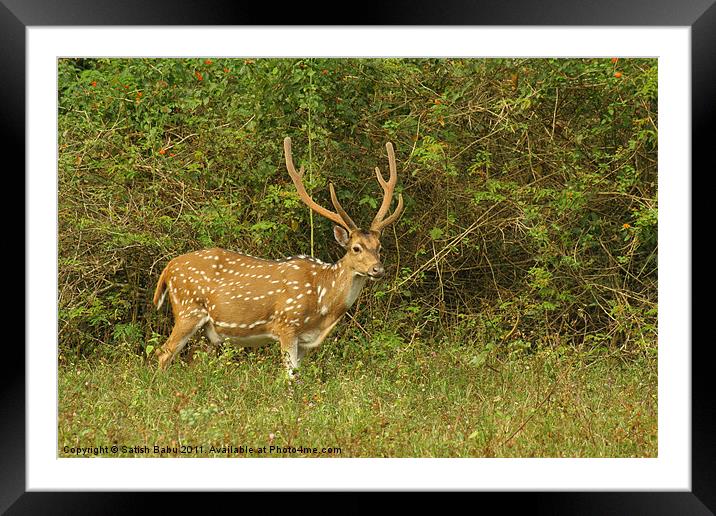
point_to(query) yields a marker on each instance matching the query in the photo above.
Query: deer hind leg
(212, 335)
(184, 329)
(215, 340)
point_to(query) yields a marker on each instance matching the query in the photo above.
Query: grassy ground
(361, 401)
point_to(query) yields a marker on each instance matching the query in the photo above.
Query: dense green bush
(530, 188)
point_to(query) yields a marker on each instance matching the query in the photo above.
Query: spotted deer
(296, 301)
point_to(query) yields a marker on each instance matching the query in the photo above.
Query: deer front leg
(306, 348)
(289, 350)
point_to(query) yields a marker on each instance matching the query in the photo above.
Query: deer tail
(161, 292)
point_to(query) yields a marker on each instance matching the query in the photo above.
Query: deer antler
(341, 218)
(388, 186)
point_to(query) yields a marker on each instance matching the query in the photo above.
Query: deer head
(362, 246)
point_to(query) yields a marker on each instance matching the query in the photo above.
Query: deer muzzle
(378, 271)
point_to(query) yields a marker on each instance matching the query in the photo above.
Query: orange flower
(626, 225)
(94, 83)
(226, 70)
(208, 62)
(199, 77)
(617, 74)
(615, 59)
(162, 151)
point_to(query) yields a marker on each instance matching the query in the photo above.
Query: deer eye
(356, 249)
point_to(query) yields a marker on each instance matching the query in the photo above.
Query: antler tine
(388, 187)
(394, 216)
(351, 225)
(341, 218)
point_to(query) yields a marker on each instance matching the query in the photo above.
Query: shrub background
(530, 188)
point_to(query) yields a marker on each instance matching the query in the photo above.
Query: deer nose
(377, 271)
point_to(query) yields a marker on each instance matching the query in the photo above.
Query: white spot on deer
(321, 293)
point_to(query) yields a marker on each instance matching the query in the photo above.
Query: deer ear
(341, 235)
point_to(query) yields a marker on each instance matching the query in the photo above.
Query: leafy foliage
(529, 184)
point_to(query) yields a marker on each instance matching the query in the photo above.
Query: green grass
(367, 401)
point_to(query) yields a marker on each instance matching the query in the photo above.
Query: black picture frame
(17, 15)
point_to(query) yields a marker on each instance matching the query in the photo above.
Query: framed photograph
(515, 318)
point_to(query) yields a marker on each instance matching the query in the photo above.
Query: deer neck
(342, 286)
